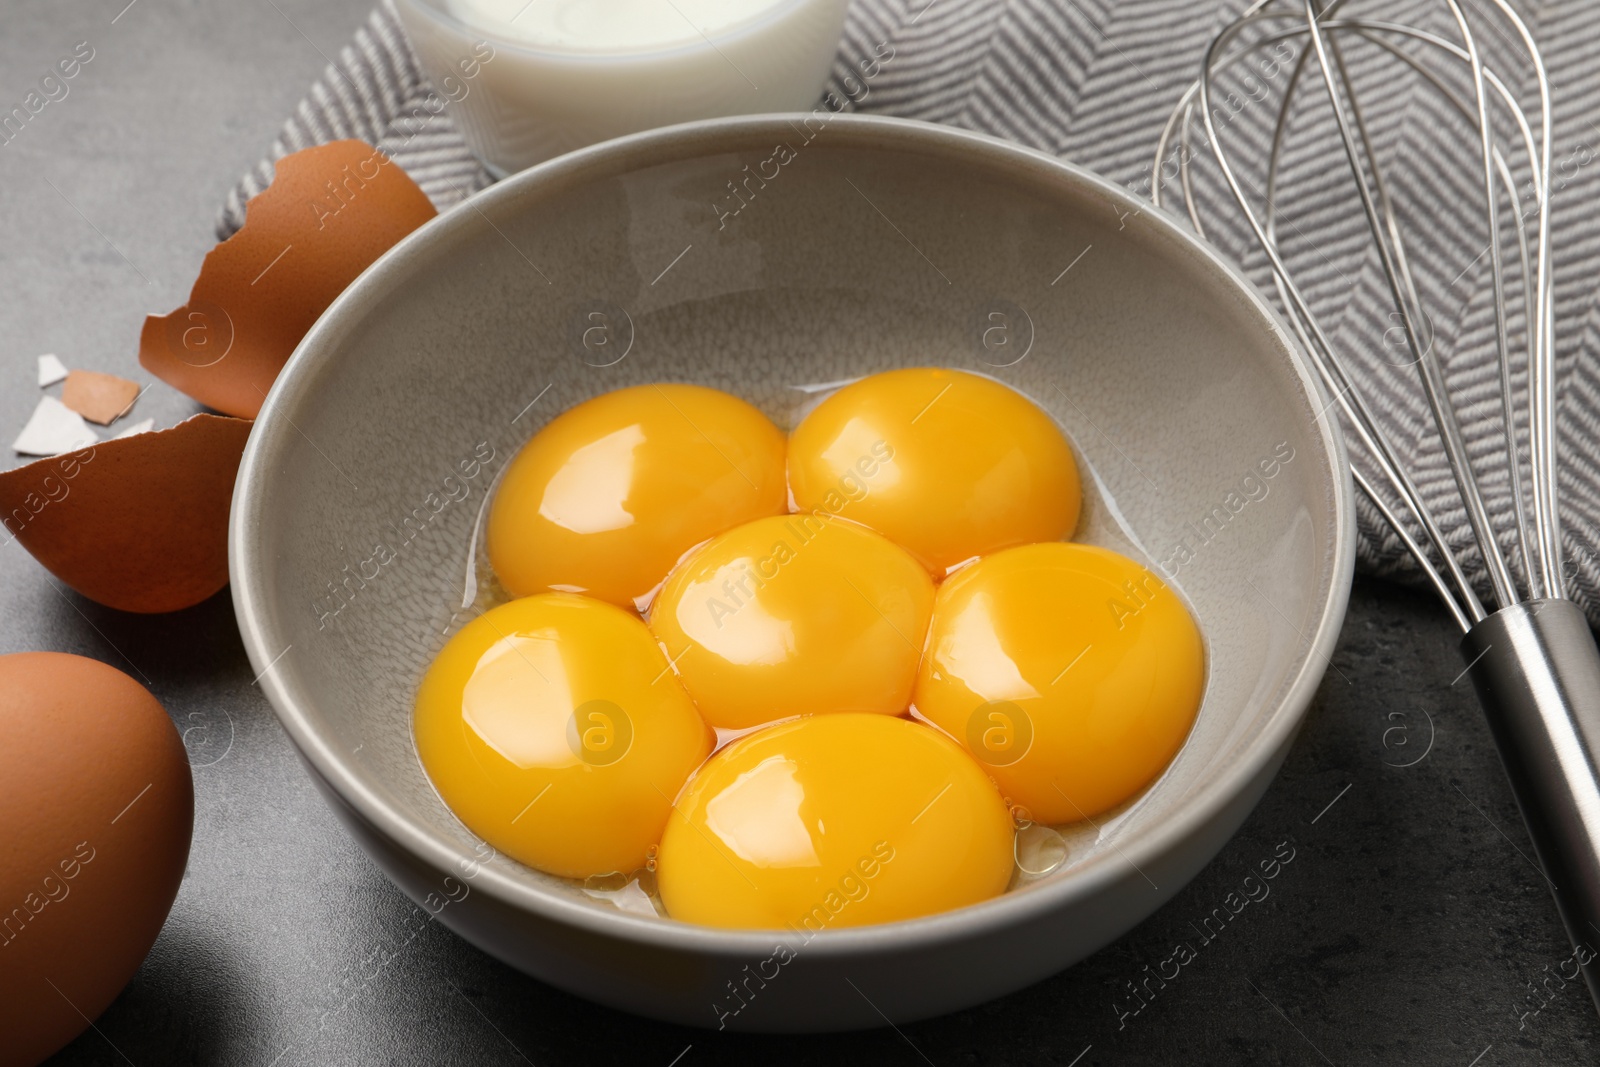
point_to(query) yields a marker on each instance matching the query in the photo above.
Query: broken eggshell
(136, 523)
(101, 398)
(51, 369)
(330, 212)
(53, 428)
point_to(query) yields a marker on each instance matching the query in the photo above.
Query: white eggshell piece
(51, 370)
(53, 429)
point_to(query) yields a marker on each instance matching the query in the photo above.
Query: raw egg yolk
(948, 464)
(832, 821)
(1070, 672)
(795, 614)
(609, 495)
(555, 729)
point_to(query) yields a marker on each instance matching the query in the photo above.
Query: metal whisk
(1531, 656)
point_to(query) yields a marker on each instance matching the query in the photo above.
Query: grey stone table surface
(1410, 926)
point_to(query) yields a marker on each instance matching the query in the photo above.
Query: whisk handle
(1537, 672)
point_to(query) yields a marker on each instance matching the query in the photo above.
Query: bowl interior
(761, 256)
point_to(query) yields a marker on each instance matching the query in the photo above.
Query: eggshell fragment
(52, 429)
(142, 426)
(98, 397)
(51, 370)
(329, 212)
(136, 523)
(98, 807)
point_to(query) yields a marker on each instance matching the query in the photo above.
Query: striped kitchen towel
(1093, 81)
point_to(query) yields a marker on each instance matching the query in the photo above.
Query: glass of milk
(526, 80)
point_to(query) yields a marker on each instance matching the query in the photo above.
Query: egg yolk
(555, 729)
(948, 464)
(832, 821)
(792, 615)
(1072, 673)
(609, 495)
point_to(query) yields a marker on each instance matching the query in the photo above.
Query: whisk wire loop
(1403, 289)
(1319, 26)
(1350, 400)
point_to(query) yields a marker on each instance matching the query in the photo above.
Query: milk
(599, 27)
(527, 80)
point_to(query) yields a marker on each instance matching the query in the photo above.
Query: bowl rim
(666, 144)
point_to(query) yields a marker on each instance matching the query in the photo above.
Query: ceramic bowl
(766, 256)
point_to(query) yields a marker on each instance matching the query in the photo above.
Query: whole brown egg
(97, 807)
